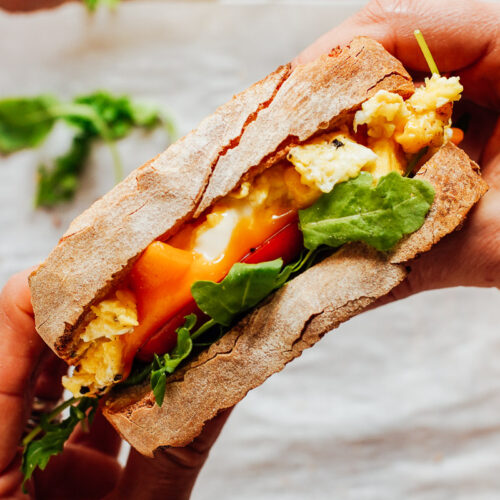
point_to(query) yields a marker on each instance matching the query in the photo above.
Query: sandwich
(289, 210)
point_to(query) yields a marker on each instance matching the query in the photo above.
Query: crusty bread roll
(246, 135)
(295, 318)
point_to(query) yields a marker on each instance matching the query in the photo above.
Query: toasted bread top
(249, 133)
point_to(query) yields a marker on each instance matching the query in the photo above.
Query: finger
(29, 5)
(11, 481)
(79, 473)
(101, 436)
(48, 383)
(173, 471)
(490, 161)
(462, 36)
(479, 121)
(20, 352)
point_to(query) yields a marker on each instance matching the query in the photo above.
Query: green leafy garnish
(244, 287)
(60, 182)
(37, 452)
(119, 113)
(92, 5)
(357, 210)
(26, 123)
(167, 363)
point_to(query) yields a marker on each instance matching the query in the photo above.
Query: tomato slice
(286, 243)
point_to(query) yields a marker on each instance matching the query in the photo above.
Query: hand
(464, 39)
(88, 467)
(29, 5)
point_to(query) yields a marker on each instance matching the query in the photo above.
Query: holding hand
(463, 38)
(88, 468)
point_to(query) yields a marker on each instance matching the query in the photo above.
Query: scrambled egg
(390, 158)
(281, 186)
(113, 317)
(420, 121)
(383, 114)
(330, 159)
(437, 91)
(101, 351)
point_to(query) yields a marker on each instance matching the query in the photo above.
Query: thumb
(173, 471)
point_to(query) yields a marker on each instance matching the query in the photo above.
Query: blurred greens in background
(93, 4)
(25, 122)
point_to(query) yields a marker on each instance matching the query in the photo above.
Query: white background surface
(403, 402)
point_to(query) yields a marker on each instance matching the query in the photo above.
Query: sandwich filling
(257, 222)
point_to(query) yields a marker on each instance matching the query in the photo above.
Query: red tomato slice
(286, 243)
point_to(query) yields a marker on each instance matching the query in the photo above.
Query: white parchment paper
(403, 402)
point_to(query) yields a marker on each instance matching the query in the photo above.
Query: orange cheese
(161, 279)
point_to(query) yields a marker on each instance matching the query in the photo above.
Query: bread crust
(248, 133)
(294, 319)
(261, 344)
(459, 186)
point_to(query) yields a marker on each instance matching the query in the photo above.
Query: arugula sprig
(358, 210)
(26, 122)
(414, 160)
(37, 452)
(243, 288)
(167, 363)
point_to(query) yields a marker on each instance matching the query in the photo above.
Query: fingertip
(367, 22)
(16, 292)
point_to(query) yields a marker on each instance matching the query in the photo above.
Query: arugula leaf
(37, 453)
(357, 210)
(61, 181)
(158, 382)
(25, 122)
(119, 113)
(303, 263)
(244, 287)
(169, 362)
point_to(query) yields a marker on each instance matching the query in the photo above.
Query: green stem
(169, 126)
(203, 328)
(414, 160)
(53, 414)
(308, 256)
(117, 163)
(426, 52)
